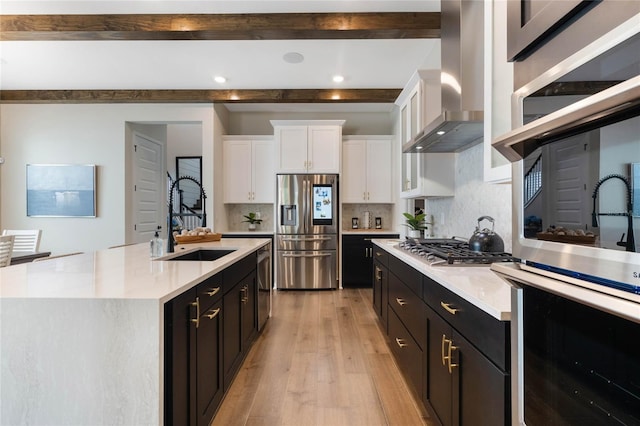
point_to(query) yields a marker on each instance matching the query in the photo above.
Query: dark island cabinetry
(193, 357)
(357, 258)
(208, 332)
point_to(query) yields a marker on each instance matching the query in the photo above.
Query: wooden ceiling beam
(200, 96)
(277, 26)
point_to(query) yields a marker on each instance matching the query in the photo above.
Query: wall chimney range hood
(461, 123)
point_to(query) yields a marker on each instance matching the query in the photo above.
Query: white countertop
(120, 273)
(368, 231)
(477, 284)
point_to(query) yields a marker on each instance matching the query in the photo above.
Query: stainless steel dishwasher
(264, 284)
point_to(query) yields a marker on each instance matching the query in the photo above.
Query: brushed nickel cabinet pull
(400, 302)
(212, 314)
(364, 195)
(400, 342)
(378, 274)
(197, 305)
(444, 339)
(213, 291)
(448, 308)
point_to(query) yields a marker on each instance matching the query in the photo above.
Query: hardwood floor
(322, 359)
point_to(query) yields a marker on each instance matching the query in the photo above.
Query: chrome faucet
(170, 240)
(630, 244)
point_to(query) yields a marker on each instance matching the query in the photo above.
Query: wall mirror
(191, 195)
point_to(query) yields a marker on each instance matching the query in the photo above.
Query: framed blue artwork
(61, 190)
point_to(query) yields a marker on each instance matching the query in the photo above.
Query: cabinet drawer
(409, 308)
(407, 353)
(236, 272)
(489, 335)
(409, 276)
(209, 291)
(381, 256)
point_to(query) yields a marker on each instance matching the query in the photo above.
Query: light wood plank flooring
(322, 359)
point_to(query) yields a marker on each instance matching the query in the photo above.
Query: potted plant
(415, 224)
(253, 220)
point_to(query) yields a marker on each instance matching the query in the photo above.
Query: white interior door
(569, 161)
(149, 194)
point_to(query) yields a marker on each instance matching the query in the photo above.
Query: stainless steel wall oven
(575, 150)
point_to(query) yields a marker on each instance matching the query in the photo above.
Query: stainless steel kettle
(485, 240)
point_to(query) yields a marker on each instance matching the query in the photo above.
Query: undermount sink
(203, 255)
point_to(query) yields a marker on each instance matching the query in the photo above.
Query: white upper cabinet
(249, 172)
(498, 85)
(428, 174)
(367, 169)
(308, 146)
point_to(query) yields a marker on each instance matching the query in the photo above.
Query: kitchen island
(82, 337)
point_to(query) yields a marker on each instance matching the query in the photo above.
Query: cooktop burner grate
(453, 252)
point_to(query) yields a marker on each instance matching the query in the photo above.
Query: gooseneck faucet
(630, 245)
(170, 241)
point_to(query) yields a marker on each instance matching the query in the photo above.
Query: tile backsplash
(473, 198)
(235, 215)
(384, 211)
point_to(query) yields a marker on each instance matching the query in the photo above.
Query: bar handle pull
(197, 318)
(448, 308)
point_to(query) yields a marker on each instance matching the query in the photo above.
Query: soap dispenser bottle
(156, 244)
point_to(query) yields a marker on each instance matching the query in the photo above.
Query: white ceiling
(51, 65)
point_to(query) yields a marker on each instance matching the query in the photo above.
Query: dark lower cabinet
(240, 324)
(357, 258)
(407, 325)
(193, 355)
(454, 355)
(208, 331)
(465, 387)
(380, 283)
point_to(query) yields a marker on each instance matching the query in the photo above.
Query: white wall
(473, 198)
(356, 123)
(86, 134)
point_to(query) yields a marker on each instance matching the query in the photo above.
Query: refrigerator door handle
(306, 194)
(307, 255)
(306, 238)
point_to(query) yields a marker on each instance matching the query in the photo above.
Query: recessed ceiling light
(418, 147)
(441, 132)
(219, 79)
(293, 57)
(338, 79)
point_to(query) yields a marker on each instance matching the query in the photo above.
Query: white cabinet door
(249, 171)
(353, 188)
(237, 171)
(292, 149)
(264, 177)
(367, 170)
(379, 171)
(323, 149)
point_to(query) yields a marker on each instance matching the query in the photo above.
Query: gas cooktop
(452, 251)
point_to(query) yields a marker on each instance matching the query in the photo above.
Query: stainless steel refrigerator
(307, 231)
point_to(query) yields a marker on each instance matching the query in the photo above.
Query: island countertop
(126, 272)
(83, 336)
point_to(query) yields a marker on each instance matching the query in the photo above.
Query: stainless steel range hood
(461, 123)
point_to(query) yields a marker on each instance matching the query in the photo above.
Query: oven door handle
(307, 255)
